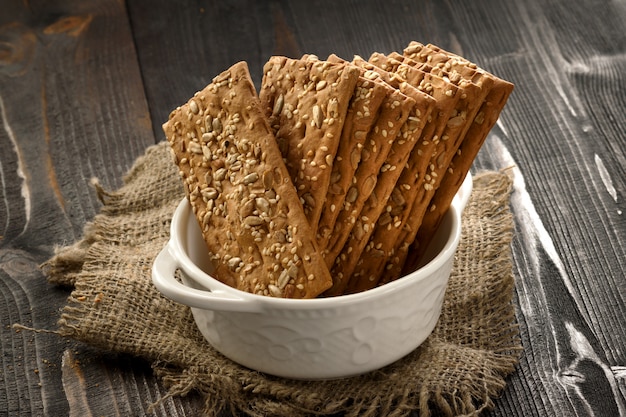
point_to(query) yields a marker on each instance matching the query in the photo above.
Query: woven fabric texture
(459, 370)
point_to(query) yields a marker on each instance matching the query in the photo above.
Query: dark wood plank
(569, 255)
(198, 40)
(563, 127)
(102, 383)
(72, 107)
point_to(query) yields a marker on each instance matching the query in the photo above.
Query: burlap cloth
(459, 370)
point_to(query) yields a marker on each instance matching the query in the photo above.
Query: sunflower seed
(193, 106)
(217, 125)
(250, 178)
(253, 221)
(352, 195)
(234, 262)
(318, 116)
(333, 110)
(278, 105)
(262, 204)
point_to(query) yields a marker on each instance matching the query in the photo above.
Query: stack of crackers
(332, 179)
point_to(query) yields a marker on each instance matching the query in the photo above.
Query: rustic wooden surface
(85, 86)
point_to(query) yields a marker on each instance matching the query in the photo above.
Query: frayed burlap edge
(396, 390)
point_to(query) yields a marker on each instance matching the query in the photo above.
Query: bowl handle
(463, 194)
(163, 270)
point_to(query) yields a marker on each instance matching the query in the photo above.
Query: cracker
(498, 92)
(424, 54)
(241, 193)
(306, 101)
(449, 66)
(458, 69)
(362, 115)
(472, 93)
(394, 112)
(409, 141)
(469, 104)
(418, 179)
(423, 66)
(395, 109)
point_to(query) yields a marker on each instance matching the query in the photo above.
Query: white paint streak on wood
(20, 165)
(529, 219)
(606, 179)
(542, 42)
(535, 235)
(584, 351)
(7, 208)
(74, 386)
(619, 372)
(501, 126)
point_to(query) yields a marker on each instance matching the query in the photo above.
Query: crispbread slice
(470, 98)
(240, 191)
(415, 196)
(396, 108)
(423, 54)
(410, 141)
(456, 67)
(394, 112)
(415, 179)
(452, 71)
(360, 119)
(306, 101)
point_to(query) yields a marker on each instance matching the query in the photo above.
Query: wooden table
(85, 86)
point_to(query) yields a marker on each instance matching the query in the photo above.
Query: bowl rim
(211, 284)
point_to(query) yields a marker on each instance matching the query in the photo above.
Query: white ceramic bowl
(320, 338)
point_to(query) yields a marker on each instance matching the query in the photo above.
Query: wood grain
(85, 87)
(72, 107)
(569, 254)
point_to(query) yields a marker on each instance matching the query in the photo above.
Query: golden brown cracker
(394, 111)
(448, 66)
(375, 204)
(458, 69)
(416, 183)
(497, 91)
(241, 193)
(306, 101)
(360, 119)
(410, 140)
(457, 171)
